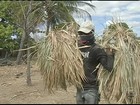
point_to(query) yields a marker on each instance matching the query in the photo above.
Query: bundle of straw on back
(59, 60)
(122, 85)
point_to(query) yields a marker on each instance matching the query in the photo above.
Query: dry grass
(124, 80)
(59, 59)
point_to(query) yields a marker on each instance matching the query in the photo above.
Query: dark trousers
(90, 96)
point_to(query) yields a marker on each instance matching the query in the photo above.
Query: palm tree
(27, 14)
(55, 13)
(58, 12)
(26, 20)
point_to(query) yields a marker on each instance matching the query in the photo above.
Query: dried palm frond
(59, 59)
(122, 85)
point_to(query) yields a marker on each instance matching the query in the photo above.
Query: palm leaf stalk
(122, 85)
(59, 60)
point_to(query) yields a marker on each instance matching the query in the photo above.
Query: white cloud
(106, 7)
(126, 11)
(110, 7)
(108, 22)
(115, 10)
(134, 23)
(135, 7)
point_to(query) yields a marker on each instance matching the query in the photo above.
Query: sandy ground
(14, 89)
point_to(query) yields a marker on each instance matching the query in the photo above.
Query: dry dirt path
(14, 90)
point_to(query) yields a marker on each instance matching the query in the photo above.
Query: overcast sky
(127, 11)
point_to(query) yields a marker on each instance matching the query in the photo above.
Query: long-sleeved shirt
(92, 56)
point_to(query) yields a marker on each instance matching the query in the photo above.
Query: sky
(126, 11)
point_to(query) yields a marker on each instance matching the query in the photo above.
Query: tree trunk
(28, 72)
(6, 54)
(48, 21)
(48, 26)
(19, 56)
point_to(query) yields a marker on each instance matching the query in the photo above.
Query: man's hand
(110, 51)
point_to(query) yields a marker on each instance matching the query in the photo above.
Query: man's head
(86, 27)
(86, 33)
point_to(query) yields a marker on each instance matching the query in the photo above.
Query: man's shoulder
(96, 46)
(97, 49)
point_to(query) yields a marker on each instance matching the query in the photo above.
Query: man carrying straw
(93, 55)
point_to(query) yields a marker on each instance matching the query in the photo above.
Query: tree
(124, 25)
(26, 19)
(54, 12)
(113, 26)
(7, 30)
(30, 21)
(58, 12)
(27, 14)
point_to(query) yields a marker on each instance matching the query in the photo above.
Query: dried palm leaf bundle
(59, 60)
(122, 85)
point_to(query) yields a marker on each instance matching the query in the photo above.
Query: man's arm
(106, 59)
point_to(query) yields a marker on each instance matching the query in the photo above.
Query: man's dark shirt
(92, 56)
